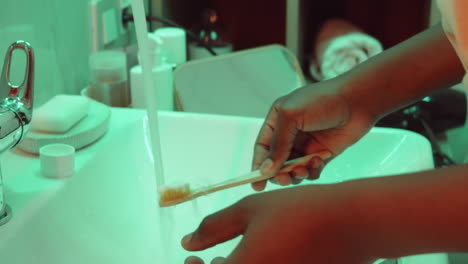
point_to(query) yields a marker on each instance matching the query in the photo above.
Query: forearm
(403, 74)
(415, 213)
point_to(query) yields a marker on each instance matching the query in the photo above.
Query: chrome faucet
(16, 103)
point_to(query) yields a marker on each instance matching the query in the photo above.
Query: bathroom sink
(107, 212)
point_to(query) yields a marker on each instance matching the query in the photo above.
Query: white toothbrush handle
(256, 175)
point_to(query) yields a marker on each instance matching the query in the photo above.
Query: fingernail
(266, 166)
(187, 239)
(218, 260)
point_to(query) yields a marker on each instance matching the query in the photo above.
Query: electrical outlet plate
(106, 23)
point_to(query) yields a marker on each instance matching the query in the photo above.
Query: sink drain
(7, 216)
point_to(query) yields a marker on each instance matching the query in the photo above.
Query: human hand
(310, 119)
(324, 230)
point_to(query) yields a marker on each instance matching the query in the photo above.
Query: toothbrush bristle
(168, 193)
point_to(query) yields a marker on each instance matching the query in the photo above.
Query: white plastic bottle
(174, 44)
(162, 79)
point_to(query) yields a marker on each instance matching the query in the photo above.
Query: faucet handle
(18, 98)
(23, 92)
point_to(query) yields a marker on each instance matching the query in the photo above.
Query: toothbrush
(175, 195)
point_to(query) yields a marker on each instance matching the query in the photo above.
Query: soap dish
(84, 133)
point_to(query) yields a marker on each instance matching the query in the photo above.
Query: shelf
(294, 23)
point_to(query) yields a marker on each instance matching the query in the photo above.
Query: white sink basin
(107, 212)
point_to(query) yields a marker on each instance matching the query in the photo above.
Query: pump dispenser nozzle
(155, 44)
(162, 77)
(155, 49)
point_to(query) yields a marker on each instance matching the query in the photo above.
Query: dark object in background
(212, 32)
(433, 115)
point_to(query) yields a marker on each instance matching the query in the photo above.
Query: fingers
(283, 179)
(217, 228)
(262, 148)
(281, 142)
(315, 167)
(298, 174)
(259, 186)
(274, 146)
(197, 260)
(193, 260)
(218, 260)
(263, 141)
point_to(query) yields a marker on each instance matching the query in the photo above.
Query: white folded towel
(343, 53)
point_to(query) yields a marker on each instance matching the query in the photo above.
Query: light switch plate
(106, 22)
(109, 25)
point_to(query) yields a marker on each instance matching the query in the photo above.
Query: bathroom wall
(58, 32)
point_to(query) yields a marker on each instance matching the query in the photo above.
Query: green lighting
(411, 110)
(214, 35)
(202, 34)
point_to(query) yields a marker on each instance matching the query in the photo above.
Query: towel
(339, 47)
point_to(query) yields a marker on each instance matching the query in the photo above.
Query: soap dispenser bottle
(162, 74)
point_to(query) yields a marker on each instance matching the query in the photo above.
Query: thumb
(217, 228)
(281, 143)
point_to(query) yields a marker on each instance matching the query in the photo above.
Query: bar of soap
(60, 113)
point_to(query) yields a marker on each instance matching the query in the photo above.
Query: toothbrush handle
(256, 175)
(291, 164)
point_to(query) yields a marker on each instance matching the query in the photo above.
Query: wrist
(356, 89)
(361, 218)
(342, 215)
(374, 217)
(379, 214)
(400, 215)
(353, 219)
(401, 75)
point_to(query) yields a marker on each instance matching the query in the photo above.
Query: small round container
(109, 80)
(108, 66)
(57, 160)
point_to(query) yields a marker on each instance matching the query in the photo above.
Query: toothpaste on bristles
(171, 193)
